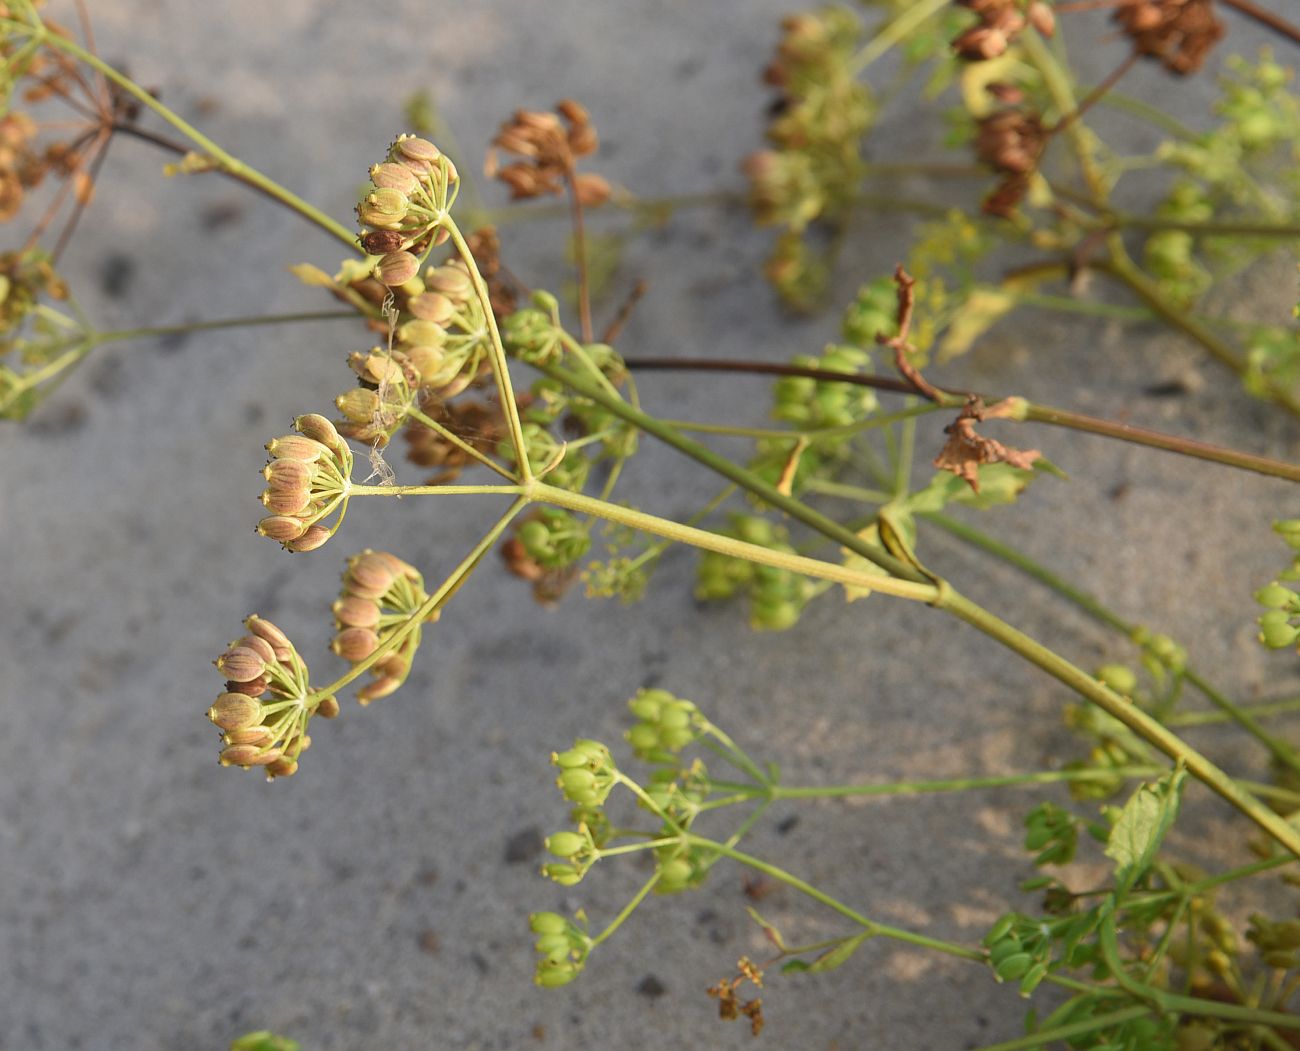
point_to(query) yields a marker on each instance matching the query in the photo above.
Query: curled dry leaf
(966, 450)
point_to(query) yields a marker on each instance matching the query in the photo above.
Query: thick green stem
(725, 545)
(742, 477)
(1099, 612)
(1126, 712)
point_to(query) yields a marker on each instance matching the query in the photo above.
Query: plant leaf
(1142, 823)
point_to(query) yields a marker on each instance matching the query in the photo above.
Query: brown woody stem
(1035, 412)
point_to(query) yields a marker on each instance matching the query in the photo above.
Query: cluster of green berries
(307, 480)
(664, 725)
(777, 597)
(380, 594)
(563, 946)
(1272, 359)
(1281, 603)
(578, 851)
(1278, 942)
(1019, 950)
(554, 538)
(1052, 833)
(587, 773)
(267, 703)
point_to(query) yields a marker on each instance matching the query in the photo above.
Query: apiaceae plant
(823, 505)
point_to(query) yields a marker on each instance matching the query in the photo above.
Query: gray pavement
(152, 901)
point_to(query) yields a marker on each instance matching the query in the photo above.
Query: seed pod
(318, 428)
(381, 242)
(288, 474)
(281, 529)
(282, 768)
(254, 735)
(565, 844)
(259, 646)
(573, 111)
(296, 447)
(377, 689)
(359, 404)
(355, 644)
(264, 629)
(592, 189)
(235, 711)
(390, 176)
(415, 149)
(452, 281)
(240, 664)
(393, 664)
(1041, 17)
(431, 306)
(253, 688)
(397, 268)
(313, 538)
(286, 501)
(427, 361)
(421, 334)
(247, 755)
(328, 708)
(353, 611)
(369, 574)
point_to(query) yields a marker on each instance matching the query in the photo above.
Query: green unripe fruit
(643, 737)
(1274, 596)
(1014, 967)
(564, 875)
(565, 844)
(1118, 678)
(552, 975)
(999, 930)
(548, 923)
(675, 739)
(577, 780)
(674, 874)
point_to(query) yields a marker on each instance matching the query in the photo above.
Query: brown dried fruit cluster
(548, 148)
(1010, 141)
(1179, 33)
(485, 247)
(478, 423)
(307, 480)
(731, 1006)
(380, 593)
(1000, 22)
(965, 450)
(264, 711)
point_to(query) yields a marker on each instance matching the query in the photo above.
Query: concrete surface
(151, 900)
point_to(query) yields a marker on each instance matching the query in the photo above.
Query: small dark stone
(651, 987)
(223, 213)
(60, 417)
(787, 825)
(116, 274)
(524, 846)
(1167, 389)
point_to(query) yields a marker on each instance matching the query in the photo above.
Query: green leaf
(837, 954)
(1142, 823)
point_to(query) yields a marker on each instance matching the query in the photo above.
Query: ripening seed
(235, 711)
(240, 664)
(355, 644)
(313, 538)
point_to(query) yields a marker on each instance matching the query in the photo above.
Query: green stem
(1174, 1003)
(910, 19)
(500, 368)
(434, 602)
(725, 545)
(228, 163)
(791, 880)
(459, 442)
(627, 910)
(1261, 710)
(1124, 270)
(435, 490)
(742, 477)
(1290, 231)
(1126, 712)
(161, 331)
(963, 784)
(1099, 612)
(1044, 1037)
